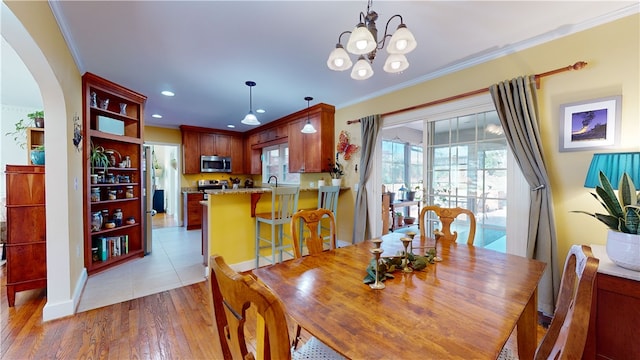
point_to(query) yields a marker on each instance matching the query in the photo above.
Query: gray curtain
(516, 103)
(369, 128)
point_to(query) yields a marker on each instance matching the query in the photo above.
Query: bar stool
(284, 203)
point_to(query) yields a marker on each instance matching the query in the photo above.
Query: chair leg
(273, 244)
(294, 344)
(257, 244)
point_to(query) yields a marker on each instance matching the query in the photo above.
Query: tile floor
(175, 261)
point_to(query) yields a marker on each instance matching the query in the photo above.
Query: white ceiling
(204, 51)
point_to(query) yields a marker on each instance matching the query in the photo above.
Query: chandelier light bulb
(361, 41)
(339, 59)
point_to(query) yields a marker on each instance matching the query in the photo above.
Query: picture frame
(590, 124)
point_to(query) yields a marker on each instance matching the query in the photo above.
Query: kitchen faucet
(275, 177)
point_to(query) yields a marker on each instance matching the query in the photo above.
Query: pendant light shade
(361, 70)
(250, 118)
(361, 41)
(396, 63)
(339, 59)
(402, 41)
(308, 128)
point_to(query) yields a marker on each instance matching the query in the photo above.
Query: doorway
(165, 183)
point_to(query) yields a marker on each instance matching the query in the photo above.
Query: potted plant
(409, 220)
(98, 158)
(399, 218)
(20, 128)
(410, 194)
(623, 220)
(336, 171)
(37, 155)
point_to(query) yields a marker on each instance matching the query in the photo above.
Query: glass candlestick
(376, 243)
(405, 243)
(377, 285)
(411, 235)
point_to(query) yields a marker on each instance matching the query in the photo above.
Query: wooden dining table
(464, 307)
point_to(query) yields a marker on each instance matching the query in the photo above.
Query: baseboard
(67, 307)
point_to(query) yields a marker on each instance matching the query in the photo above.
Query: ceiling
(204, 51)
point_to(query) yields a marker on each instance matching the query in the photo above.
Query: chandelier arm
(386, 31)
(340, 36)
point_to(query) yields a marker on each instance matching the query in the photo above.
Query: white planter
(336, 182)
(624, 249)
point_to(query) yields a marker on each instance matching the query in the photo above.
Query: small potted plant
(399, 218)
(623, 220)
(410, 194)
(37, 155)
(336, 171)
(98, 158)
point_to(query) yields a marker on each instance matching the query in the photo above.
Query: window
(275, 162)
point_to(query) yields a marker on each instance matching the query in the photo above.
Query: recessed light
(167, 93)
(157, 116)
(260, 111)
(231, 126)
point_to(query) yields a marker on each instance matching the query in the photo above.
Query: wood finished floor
(174, 324)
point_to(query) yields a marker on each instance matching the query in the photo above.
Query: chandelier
(364, 43)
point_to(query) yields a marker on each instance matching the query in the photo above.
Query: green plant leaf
(632, 220)
(626, 191)
(613, 222)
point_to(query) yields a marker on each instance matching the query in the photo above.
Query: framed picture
(591, 124)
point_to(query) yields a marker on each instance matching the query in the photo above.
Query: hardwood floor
(174, 324)
(161, 220)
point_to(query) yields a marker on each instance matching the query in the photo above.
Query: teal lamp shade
(613, 165)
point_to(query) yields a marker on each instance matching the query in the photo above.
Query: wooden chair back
(232, 295)
(447, 216)
(284, 203)
(311, 219)
(567, 332)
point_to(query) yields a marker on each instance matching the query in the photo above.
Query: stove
(212, 185)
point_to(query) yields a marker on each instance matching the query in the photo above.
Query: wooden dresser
(615, 312)
(26, 229)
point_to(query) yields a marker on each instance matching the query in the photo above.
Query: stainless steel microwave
(215, 164)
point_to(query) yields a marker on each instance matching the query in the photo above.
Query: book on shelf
(111, 246)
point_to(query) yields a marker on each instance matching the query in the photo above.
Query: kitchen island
(231, 221)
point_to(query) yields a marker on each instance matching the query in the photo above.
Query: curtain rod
(577, 66)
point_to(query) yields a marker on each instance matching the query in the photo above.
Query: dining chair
(312, 221)
(567, 333)
(284, 203)
(232, 295)
(447, 216)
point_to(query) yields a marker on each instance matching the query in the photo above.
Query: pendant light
(250, 118)
(308, 128)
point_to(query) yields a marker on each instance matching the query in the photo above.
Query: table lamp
(613, 165)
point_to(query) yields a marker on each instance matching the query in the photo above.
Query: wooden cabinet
(116, 127)
(190, 152)
(197, 141)
(26, 229)
(311, 153)
(192, 210)
(615, 312)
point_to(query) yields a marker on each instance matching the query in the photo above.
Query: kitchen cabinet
(273, 133)
(190, 152)
(26, 229)
(197, 141)
(117, 127)
(311, 153)
(192, 210)
(253, 152)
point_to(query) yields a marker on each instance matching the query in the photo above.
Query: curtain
(516, 103)
(369, 128)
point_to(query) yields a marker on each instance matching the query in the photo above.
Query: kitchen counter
(259, 190)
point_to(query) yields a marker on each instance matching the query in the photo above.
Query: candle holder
(437, 234)
(410, 235)
(377, 285)
(405, 243)
(376, 243)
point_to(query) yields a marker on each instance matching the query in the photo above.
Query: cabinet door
(222, 145)
(312, 145)
(190, 152)
(237, 155)
(207, 144)
(296, 147)
(253, 165)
